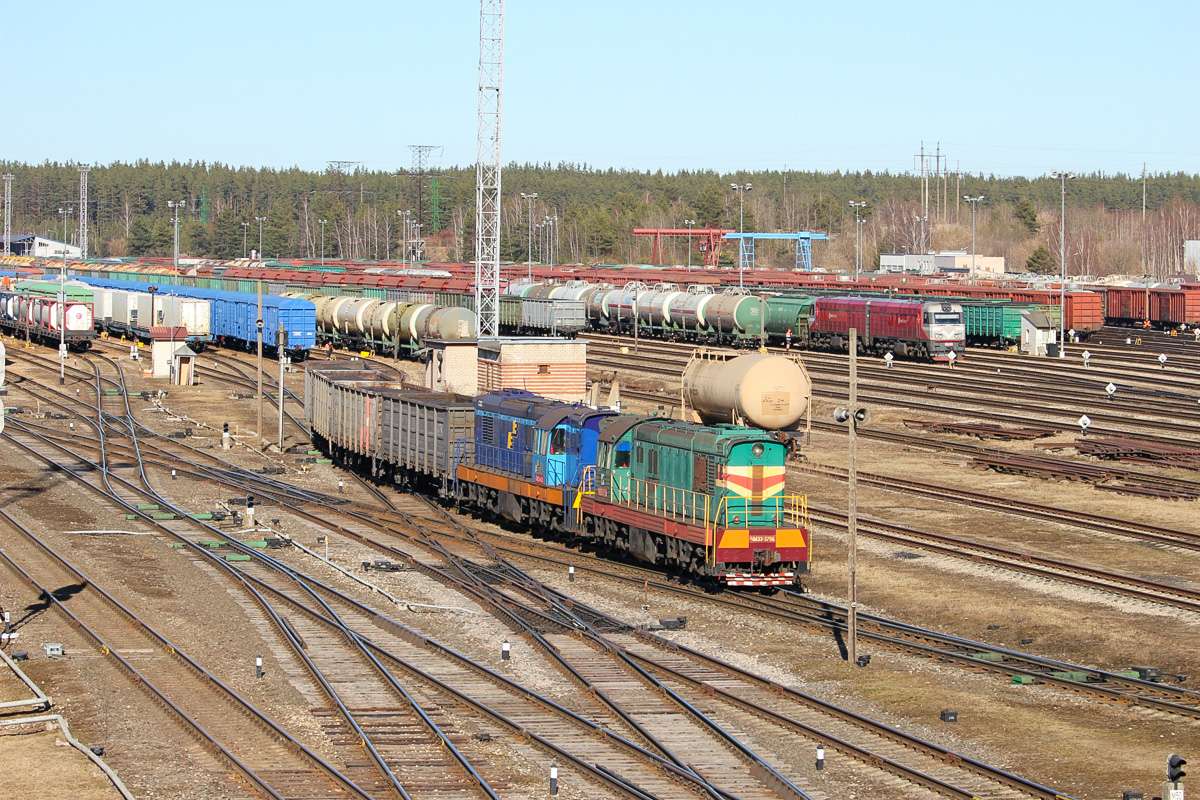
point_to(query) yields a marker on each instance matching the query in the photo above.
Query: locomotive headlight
(757, 450)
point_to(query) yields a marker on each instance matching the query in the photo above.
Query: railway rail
(959, 396)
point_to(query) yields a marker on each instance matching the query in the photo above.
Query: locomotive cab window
(621, 458)
(652, 467)
(558, 442)
(947, 318)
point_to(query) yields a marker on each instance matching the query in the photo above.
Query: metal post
(83, 215)
(62, 302)
(529, 198)
(974, 202)
(852, 509)
(8, 179)
(176, 205)
(741, 189)
(260, 221)
(259, 325)
(689, 223)
(637, 288)
(858, 206)
(1063, 177)
(282, 348)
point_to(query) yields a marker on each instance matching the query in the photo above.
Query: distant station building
(1191, 256)
(27, 244)
(947, 261)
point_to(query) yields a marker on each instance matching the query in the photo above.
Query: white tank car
(771, 392)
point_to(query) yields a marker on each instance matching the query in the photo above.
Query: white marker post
(1162, 360)
(888, 358)
(258, 668)
(1110, 390)
(1086, 356)
(820, 757)
(950, 359)
(505, 650)
(1084, 424)
(554, 781)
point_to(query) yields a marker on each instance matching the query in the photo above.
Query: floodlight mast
(487, 168)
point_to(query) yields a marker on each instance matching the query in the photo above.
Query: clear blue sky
(1009, 88)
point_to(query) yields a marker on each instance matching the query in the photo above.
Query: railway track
(349, 721)
(688, 774)
(953, 396)
(697, 677)
(1005, 560)
(681, 685)
(271, 760)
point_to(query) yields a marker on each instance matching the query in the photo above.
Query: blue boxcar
(234, 314)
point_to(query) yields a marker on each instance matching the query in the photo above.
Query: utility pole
(1145, 249)
(83, 212)
(690, 223)
(923, 162)
(245, 230)
(529, 198)
(741, 189)
(260, 221)
(176, 205)
(62, 302)
(1063, 177)
(858, 206)
(258, 324)
(852, 507)
(8, 179)
(957, 187)
(974, 201)
(487, 168)
(322, 222)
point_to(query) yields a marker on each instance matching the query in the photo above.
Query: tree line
(228, 210)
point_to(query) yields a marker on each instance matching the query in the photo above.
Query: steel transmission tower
(83, 211)
(487, 168)
(8, 179)
(420, 160)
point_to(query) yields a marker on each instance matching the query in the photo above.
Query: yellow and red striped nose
(755, 481)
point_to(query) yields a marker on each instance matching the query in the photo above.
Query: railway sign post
(1162, 360)
(951, 357)
(1084, 424)
(1086, 356)
(888, 358)
(1110, 390)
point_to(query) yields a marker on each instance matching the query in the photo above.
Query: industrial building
(947, 261)
(28, 244)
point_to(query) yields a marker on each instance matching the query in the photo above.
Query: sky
(1015, 88)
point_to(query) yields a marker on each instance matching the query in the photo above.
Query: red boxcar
(1174, 307)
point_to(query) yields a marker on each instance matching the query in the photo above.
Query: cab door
(556, 455)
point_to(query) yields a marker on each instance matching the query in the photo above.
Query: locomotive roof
(657, 430)
(517, 403)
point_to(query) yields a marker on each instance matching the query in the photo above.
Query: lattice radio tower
(487, 168)
(8, 179)
(420, 161)
(83, 211)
